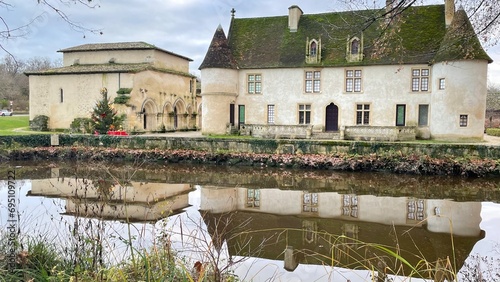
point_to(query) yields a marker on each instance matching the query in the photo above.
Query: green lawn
(14, 125)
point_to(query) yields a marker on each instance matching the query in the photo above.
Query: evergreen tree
(104, 117)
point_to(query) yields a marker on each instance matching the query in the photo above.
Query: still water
(327, 226)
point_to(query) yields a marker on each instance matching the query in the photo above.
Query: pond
(263, 224)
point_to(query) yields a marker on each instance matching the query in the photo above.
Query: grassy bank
(14, 125)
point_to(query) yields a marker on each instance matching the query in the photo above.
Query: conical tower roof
(219, 54)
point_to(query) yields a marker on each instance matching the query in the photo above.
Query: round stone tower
(219, 85)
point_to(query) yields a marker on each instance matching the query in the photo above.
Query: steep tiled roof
(460, 41)
(218, 54)
(117, 46)
(104, 68)
(268, 43)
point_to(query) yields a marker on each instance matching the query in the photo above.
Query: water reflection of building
(314, 222)
(439, 215)
(135, 201)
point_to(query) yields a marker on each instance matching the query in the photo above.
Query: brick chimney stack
(449, 11)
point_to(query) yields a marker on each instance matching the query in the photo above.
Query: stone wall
(380, 133)
(255, 146)
(287, 146)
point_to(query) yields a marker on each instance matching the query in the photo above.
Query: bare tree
(57, 7)
(14, 84)
(483, 14)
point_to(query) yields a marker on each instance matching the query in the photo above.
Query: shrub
(493, 131)
(40, 123)
(121, 99)
(83, 125)
(124, 91)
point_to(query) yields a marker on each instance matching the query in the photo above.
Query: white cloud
(185, 27)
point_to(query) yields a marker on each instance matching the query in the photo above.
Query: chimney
(294, 13)
(449, 11)
(388, 10)
(388, 6)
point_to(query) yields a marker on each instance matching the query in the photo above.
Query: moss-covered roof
(117, 46)
(460, 41)
(105, 68)
(414, 39)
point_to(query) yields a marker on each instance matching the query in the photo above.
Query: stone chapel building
(151, 86)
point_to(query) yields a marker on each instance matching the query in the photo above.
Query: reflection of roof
(128, 211)
(131, 219)
(105, 68)
(117, 46)
(282, 231)
(416, 39)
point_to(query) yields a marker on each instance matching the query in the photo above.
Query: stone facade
(435, 92)
(162, 93)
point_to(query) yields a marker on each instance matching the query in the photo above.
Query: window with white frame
(353, 80)
(442, 83)
(464, 120)
(420, 80)
(415, 209)
(304, 114)
(310, 202)
(270, 114)
(350, 205)
(363, 114)
(254, 82)
(253, 198)
(312, 81)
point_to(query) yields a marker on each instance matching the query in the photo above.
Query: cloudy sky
(185, 27)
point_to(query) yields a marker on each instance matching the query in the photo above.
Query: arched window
(313, 49)
(61, 95)
(355, 47)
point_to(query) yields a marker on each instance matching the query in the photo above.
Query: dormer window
(313, 48)
(354, 52)
(355, 47)
(313, 51)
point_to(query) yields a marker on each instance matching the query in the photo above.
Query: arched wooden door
(332, 118)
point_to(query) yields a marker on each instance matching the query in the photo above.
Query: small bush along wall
(493, 131)
(40, 123)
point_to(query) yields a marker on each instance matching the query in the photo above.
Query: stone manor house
(366, 74)
(348, 75)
